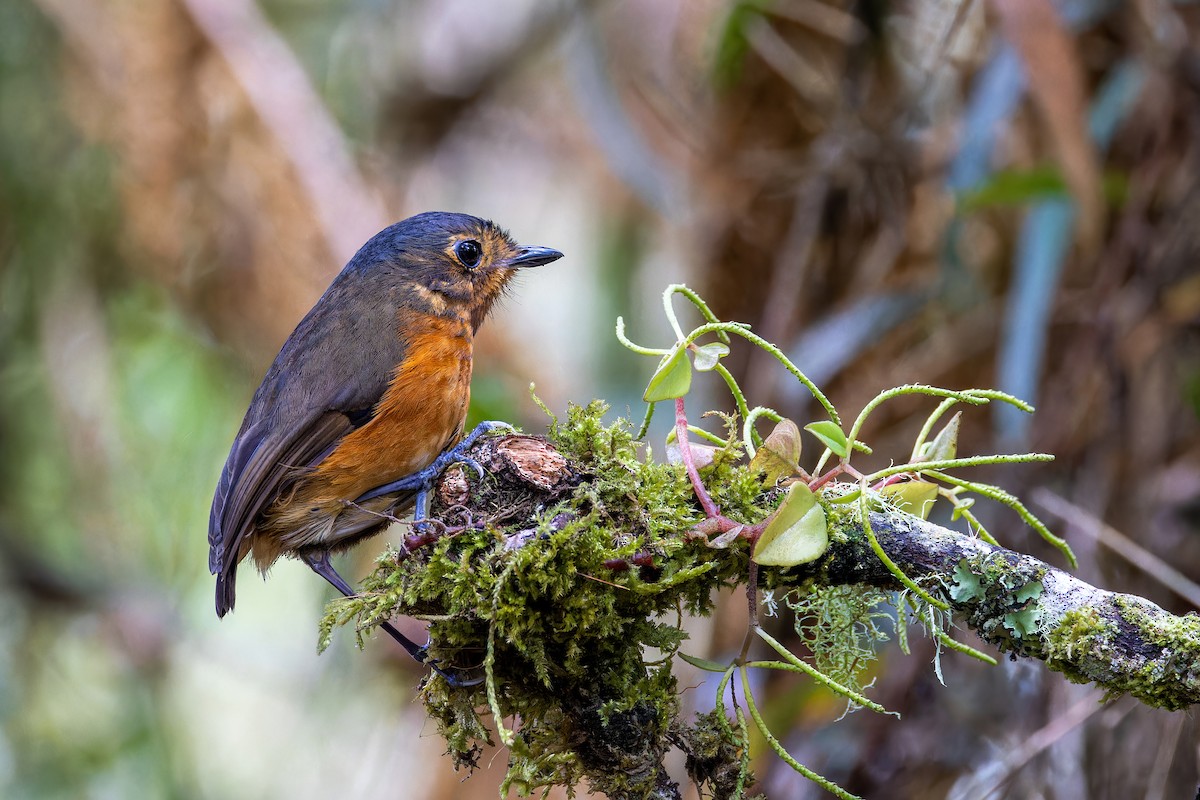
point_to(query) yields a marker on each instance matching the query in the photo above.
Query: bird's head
(450, 263)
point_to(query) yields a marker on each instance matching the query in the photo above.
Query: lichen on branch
(1025, 607)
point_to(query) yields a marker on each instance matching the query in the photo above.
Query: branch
(1022, 605)
(1122, 643)
(551, 578)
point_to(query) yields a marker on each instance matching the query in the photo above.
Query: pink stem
(685, 453)
(817, 483)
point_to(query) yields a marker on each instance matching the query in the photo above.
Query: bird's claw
(473, 464)
(453, 681)
(424, 480)
(457, 453)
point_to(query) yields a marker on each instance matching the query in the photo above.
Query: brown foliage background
(964, 194)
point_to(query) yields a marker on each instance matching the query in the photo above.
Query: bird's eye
(469, 252)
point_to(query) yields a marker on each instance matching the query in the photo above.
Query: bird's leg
(318, 561)
(423, 481)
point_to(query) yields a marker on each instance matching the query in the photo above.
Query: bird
(366, 402)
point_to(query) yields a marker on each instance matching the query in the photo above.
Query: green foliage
(672, 379)
(944, 446)
(929, 459)
(779, 456)
(831, 436)
(1012, 187)
(731, 44)
(914, 497)
(797, 533)
(708, 356)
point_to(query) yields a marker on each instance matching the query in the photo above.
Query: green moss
(566, 612)
(1165, 668)
(1141, 650)
(843, 522)
(717, 761)
(568, 602)
(1080, 631)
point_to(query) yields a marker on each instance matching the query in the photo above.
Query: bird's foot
(424, 480)
(319, 562)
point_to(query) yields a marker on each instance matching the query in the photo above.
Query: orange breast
(421, 413)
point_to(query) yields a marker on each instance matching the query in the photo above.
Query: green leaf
(732, 44)
(708, 356)
(1015, 188)
(672, 379)
(779, 455)
(797, 532)
(1009, 188)
(830, 435)
(914, 497)
(945, 445)
(703, 663)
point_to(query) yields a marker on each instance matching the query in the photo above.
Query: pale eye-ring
(469, 252)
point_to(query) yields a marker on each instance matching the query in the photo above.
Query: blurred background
(970, 194)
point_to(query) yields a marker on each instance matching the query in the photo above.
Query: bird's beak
(534, 257)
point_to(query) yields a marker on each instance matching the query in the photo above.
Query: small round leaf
(708, 355)
(945, 445)
(830, 435)
(914, 497)
(702, 663)
(796, 534)
(672, 379)
(779, 455)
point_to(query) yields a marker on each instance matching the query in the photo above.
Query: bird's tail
(226, 590)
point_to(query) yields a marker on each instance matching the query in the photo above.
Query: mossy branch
(1122, 643)
(553, 576)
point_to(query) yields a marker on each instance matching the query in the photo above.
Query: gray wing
(324, 383)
